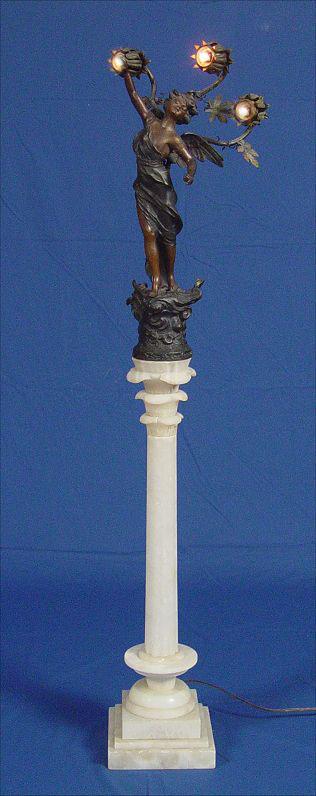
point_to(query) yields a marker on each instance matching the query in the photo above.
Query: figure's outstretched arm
(135, 98)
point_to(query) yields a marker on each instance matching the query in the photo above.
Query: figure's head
(180, 106)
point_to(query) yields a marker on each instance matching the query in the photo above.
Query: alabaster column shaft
(161, 618)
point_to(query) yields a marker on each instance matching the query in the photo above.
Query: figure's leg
(170, 256)
(151, 251)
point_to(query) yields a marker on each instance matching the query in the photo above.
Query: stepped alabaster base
(152, 750)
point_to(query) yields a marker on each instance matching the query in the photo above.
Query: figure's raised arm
(136, 99)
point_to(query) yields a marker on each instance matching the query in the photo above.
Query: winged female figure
(157, 146)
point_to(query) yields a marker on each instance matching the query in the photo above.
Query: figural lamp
(160, 723)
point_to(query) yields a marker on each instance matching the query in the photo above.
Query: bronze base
(162, 321)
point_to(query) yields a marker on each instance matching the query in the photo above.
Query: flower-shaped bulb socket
(124, 59)
(211, 57)
(250, 109)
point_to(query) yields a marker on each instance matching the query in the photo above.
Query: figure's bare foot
(172, 283)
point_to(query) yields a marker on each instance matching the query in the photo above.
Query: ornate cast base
(162, 321)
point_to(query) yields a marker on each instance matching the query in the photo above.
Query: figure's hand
(188, 178)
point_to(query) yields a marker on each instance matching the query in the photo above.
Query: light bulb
(204, 57)
(243, 111)
(118, 62)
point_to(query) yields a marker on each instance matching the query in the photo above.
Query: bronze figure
(157, 146)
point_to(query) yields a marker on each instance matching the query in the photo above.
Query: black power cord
(231, 694)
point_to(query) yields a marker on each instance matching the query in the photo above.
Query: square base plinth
(161, 753)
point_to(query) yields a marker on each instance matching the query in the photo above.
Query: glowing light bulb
(118, 62)
(204, 57)
(243, 111)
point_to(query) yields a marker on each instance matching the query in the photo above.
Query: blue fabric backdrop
(74, 452)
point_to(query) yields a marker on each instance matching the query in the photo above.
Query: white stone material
(136, 727)
(143, 663)
(160, 754)
(160, 723)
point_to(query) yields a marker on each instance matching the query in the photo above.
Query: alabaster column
(160, 723)
(161, 617)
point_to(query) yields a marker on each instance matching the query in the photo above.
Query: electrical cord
(232, 695)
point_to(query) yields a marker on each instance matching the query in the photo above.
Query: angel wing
(200, 148)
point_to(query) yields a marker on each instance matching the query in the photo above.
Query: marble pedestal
(160, 724)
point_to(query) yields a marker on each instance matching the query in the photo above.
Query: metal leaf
(219, 108)
(249, 154)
